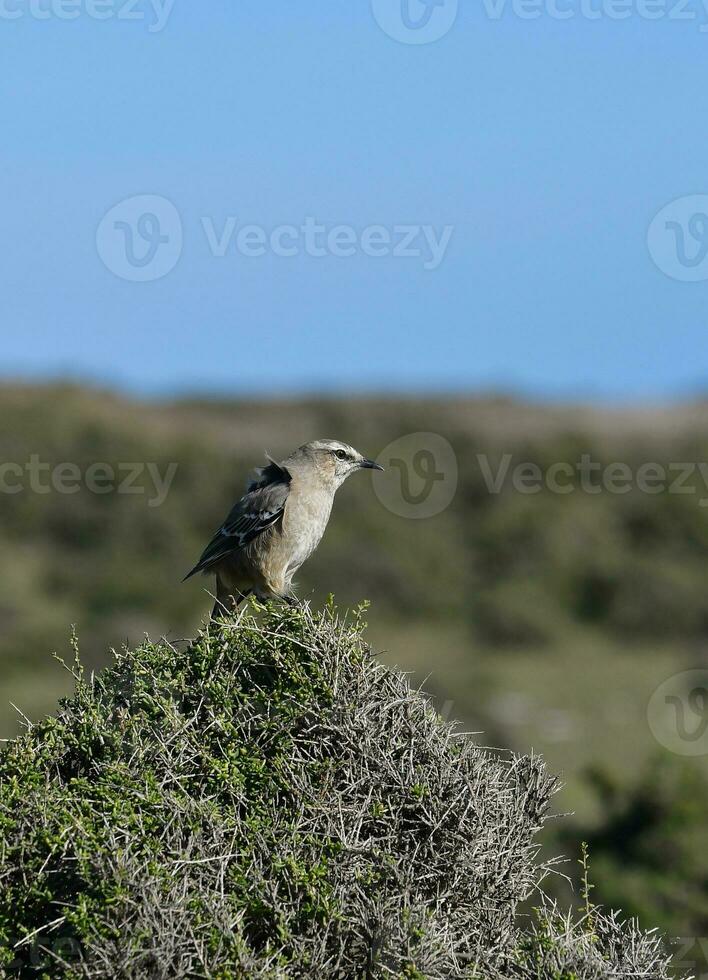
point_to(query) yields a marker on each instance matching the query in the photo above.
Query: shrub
(274, 802)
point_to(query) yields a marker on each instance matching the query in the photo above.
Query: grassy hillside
(545, 620)
(273, 802)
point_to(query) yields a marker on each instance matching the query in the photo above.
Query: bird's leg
(226, 602)
(220, 610)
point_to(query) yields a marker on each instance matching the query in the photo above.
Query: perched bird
(278, 522)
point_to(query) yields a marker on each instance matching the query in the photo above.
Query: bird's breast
(304, 523)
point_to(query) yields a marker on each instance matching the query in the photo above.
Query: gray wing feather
(261, 507)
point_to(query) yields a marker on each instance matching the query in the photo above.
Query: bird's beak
(369, 464)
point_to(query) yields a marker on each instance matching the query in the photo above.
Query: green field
(543, 621)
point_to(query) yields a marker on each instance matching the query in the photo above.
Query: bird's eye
(340, 454)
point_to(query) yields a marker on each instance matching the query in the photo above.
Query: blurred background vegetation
(543, 621)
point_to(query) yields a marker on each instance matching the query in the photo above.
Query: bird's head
(334, 461)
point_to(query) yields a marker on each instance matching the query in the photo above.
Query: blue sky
(547, 146)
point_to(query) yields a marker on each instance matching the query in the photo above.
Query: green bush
(273, 802)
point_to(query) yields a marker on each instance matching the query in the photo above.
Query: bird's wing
(260, 507)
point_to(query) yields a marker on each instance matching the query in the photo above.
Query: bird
(278, 523)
